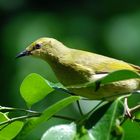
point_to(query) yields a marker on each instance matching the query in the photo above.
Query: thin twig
(17, 119)
(79, 107)
(34, 114)
(87, 115)
(99, 104)
(30, 116)
(17, 109)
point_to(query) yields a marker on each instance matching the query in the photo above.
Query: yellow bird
(75, 67)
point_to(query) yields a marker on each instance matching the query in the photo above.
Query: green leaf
(132, 130)
(49, 112)
(119, 75)
(108, 127)
(11, 130)
(3, 118)
(115, 76)
(34, 88)
(60, 132)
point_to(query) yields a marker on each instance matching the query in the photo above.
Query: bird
(74, 67)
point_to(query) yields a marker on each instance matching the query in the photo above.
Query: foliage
(34, 88)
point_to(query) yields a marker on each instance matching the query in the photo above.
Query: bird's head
(37, 48)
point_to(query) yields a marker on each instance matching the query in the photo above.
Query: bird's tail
(137, 68)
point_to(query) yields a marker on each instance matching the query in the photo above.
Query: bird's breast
(69, 74)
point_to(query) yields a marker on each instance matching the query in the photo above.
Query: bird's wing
(101, 64)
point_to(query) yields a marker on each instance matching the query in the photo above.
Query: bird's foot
(127, 110)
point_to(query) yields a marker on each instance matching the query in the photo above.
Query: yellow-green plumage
(73, 67)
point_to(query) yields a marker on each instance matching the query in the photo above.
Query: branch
(7, 109)
(29, 115)
(17, 119)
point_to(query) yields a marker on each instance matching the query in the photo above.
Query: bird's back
(99, 63)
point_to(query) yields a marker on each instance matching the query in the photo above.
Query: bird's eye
(37, 46)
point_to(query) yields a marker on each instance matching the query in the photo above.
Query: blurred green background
(111, 28)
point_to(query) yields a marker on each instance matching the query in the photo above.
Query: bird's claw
(127, 111)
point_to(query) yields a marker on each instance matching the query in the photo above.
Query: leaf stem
(79, 107)
(29, 115)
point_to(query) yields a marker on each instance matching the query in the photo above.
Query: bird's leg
(99, 76)
(70, 93)
(127, 112)
(97, 85)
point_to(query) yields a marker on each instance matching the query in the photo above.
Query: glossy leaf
(115, 76)
(60, 132)
(119, 75)
(11, 130)
(3, 118)
(34, 88)
(132, 130)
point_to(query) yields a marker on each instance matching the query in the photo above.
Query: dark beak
(24, 53)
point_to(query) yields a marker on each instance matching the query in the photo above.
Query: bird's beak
(24, 53)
